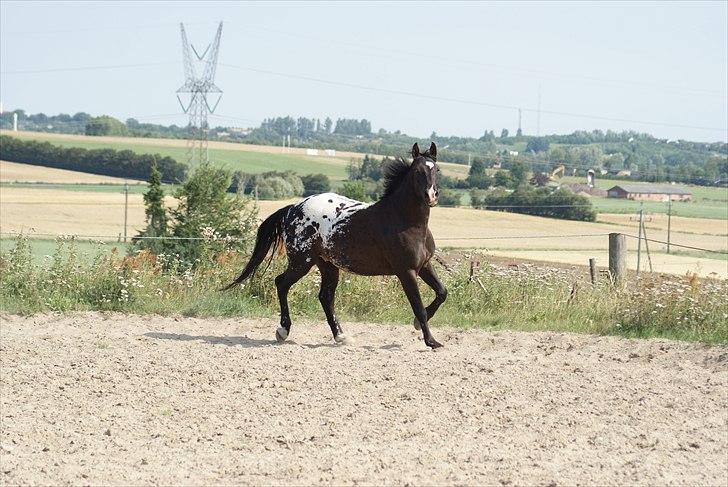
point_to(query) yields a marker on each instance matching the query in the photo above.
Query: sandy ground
(115, 399)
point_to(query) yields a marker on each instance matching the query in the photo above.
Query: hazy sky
(619, 63)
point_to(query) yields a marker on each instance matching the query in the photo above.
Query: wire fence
(237, 239)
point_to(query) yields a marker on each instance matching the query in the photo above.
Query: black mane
(394, 172)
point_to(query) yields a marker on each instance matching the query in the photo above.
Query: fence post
(617, 256)
(593, 270)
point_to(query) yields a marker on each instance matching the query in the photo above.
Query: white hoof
(281, 334)
(416, 324)
(344, 339)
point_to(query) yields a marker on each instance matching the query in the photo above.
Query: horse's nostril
(437, 193)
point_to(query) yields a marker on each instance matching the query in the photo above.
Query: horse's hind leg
(427, 273)
(296, 270)
(327, 295)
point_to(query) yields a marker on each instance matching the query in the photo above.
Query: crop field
(243, 157)
(42, 210)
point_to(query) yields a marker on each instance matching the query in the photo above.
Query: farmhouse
(649, 193)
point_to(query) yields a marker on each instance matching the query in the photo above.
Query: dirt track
(93, 399)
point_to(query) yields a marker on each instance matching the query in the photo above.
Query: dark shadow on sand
(213, 340)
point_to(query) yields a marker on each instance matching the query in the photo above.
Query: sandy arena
(117, 399)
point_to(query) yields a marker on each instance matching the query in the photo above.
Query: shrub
(354, 190)
(315, 183)
(449, 198)
(541, 202)
(208, 221)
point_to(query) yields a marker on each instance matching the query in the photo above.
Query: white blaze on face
(430, 164)
(431, 193)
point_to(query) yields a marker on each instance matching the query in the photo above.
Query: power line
(524, 71)
(85, 68)
(672, 244)
(465, 101)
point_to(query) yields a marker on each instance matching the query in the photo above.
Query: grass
(708, 202)
(535, 298)
(134, 188)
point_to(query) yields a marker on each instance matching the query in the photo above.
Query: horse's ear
(433, 151)
(415, 151)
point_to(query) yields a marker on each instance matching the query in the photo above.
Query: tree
(537, 144)
(519, 132)
(105, 125)
(156, 214)
(328, 124)
(207, 211)
(519, 172)
(503, 178)
(504, 134)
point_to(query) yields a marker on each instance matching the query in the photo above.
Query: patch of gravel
(118, 399)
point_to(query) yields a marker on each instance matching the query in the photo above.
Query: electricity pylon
(197, 91)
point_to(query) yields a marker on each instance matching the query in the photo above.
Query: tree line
(637, 156)
(107, 162)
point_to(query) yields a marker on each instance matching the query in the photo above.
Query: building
(649, 193)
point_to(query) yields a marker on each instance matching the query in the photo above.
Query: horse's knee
(325, 295)
(441, 294)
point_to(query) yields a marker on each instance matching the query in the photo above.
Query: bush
(354, 190)
(315, 184)
(449, 198)
(108, 162)
(561, 203)
(207, 221)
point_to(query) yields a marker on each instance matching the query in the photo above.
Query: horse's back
(317, 219)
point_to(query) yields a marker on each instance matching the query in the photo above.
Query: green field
(235, 160)
(43, 249)
(134, 187)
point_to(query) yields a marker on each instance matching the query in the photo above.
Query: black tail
(269, 235)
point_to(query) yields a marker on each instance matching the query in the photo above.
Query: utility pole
(126, 207)
(669, 217)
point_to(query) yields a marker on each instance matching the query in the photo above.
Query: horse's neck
(406, 208)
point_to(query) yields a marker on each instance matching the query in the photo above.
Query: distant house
(649, 193)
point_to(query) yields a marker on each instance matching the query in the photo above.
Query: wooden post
(617, 256)
(669, 217)
(639, 242)
(593, 270)
(126, 207)
(474, 269)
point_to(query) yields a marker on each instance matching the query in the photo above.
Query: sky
(452, 68)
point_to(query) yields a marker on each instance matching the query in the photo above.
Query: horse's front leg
(409, 284)
(427, 273)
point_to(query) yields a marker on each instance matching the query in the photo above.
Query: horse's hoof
(281, 334)
(344, 339)
(434, 344)
(416, 324)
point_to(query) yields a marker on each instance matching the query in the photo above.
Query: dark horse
(332, 232)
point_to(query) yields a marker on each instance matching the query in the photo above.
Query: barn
(649, 193)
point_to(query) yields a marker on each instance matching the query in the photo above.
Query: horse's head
(424, 173)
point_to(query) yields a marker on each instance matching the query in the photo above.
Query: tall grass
(525, 298)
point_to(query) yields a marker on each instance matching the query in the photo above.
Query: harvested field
(53, 211)
(139, 399)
